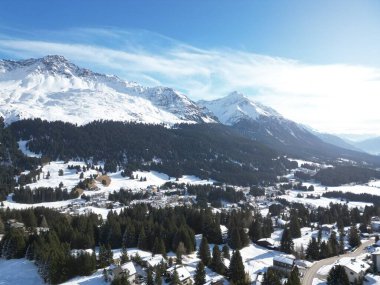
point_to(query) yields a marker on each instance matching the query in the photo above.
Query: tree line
(205, 150)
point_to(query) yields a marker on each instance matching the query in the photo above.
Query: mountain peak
(53, 88)
(54, 58)
(236, 95)
(236, 106)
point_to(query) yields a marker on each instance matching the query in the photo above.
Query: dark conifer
(200, 274)
(287, 244)
(236, 269)
(337, 276)
(204, 252)
(217, 264)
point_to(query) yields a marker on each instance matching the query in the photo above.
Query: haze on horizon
(315, 63)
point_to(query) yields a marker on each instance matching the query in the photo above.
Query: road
(311, 273)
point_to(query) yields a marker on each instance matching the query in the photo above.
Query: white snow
(256, 258)
(291, 196)
(70, 179)
(94, 279)
(19, 271)
(317, 281)
(52, 88)
(372, 279)
(236, 106)
(22, 146)
(324, 270)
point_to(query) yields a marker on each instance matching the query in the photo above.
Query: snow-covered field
(257, 259)
(71, 178)
(322, 202)
(19, 271)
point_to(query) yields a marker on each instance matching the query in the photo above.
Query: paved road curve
(311, 273)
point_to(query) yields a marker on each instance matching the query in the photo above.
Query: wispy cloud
(335, 98)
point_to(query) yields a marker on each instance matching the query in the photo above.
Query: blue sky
(316, 62)
(310, 31)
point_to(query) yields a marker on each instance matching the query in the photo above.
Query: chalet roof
(287, 259)
(354, 264)
(130, 267)
(183, 273)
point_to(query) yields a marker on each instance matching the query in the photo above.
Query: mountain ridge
(45, 87)
(53, 89)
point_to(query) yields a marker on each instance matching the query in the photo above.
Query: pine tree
(236, 269)
(337, 276)
(200, 274)
(267, 229)
(158, 278)
(142, 243)
(204, 252)
(105, 256)
(325, 250)
(149, 277)
(333, 244)
(294, 278)
(159, 246)
(353, 237)
(341, 241)
(312, 251)
(226, 252)
(294, 225)
(287, 244)
(255, 230)
(175, 278)
(271, 278)
(217, 264)
(180, 251)
(124, 255)
(234, 240)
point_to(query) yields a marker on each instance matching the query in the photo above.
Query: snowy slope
(52, 88)
(265, 125)
(235, 107)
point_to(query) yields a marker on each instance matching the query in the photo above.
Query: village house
(375, 224)
(155, 260)
(327, 229)
(13, 224)
(127, 270)
(183, 274)
(268, 243)
(284, 263)
(355, 268)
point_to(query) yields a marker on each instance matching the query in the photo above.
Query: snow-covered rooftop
(130, 267)
(287, 259)
(353, 264)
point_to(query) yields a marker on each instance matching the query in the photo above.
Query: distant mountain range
(370, 145)
(54, 89)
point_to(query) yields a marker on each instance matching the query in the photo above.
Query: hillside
(54, 89)
(205, 150)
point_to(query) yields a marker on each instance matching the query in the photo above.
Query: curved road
(311, 273)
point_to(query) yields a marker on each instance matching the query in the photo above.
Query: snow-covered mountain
(52, 88)
(235, 107)
(267, 126)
